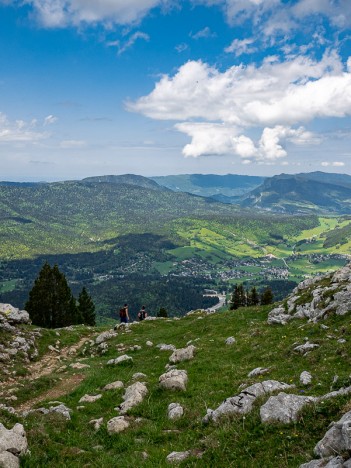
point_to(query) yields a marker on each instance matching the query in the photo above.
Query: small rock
(96, 423)
(183, 354)
(117, 424)
(149, 343)
(175, 411)
(139, 375)
(113, 385)
(90, 398)
(79, 365)
(305, 378)
(258, 371)
(229, 341)
(125, 358)
(303, 349)
(177, 457)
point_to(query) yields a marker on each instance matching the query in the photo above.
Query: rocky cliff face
(316, 298)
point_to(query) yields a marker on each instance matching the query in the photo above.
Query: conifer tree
(238, 297)
(51, 304)
(162, 312)
(254, 298)
(267, 296)
(86, 309)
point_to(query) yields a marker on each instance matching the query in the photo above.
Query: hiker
(123, 314)
(142, 314)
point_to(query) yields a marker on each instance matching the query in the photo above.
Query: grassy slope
(214, 374)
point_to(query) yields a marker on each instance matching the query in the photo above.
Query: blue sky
(156, 87)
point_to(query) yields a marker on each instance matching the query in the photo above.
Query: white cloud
(19, 130)
(181, 47)
(220, 139)
(72, 144)
(333, 163)
(61, 13)
(240, 47)
(272, 94)
(123, 46)
(50, 119)
(203, 34)
(276, 96)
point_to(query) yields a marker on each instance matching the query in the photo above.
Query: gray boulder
(305, 348)
(174, 380)
(337, 439)
(13, 315)
(183, 354)
(121, 359)
(177, 457)
(258, 371)
(283, 408)
(113, 385)
(175, 411)
(13, 444)
(117, 424)
(8, 460)
(134, 395)
(90, 398)
(278, 316)
(305, 378)
(242, 403)
(107, 335)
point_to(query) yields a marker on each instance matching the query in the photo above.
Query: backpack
(122, 312)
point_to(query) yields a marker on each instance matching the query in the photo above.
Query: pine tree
(267, 296)
(86, 309)
(162, 312)
(51, 304)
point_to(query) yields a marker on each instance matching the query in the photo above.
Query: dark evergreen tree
(162, 312)
(267, 297)
(238, 297)
(254, 298)
(86, 309)
(51, 304)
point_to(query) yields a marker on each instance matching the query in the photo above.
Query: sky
(158, 87)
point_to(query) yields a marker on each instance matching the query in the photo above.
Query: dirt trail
(48, 364)
(52, 361)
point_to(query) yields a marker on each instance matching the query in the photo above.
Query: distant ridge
(128, 179)
(221, 187)
(302, 193)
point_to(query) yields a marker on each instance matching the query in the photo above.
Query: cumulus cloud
(19, 130)
(218, 139)
(274, 93)
(275, 96)
(61, 13)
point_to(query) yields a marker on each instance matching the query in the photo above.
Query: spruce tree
(51, 304)
(238, 297)
(86, 309)
(162, 312)
(267, 296)
(254, 298)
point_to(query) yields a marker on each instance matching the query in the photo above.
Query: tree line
(242, 297)
(51, 303)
